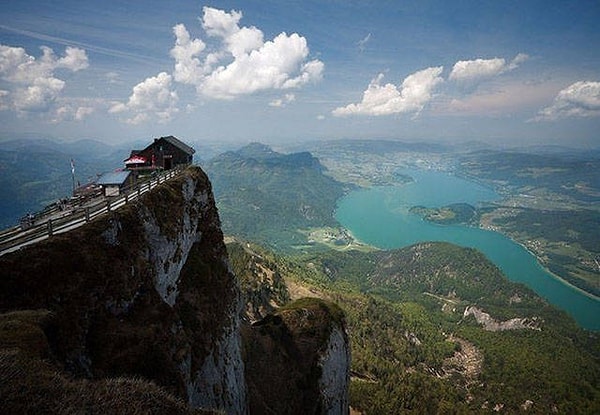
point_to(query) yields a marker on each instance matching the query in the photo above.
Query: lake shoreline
(556, 276)
(380, 215)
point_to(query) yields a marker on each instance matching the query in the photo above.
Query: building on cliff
(112, 183)
(164, 153)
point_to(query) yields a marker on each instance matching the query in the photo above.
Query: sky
(503, 72)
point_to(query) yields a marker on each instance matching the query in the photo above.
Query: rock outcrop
(139, 311)
(298, 360)
(297, 353)
(145, 291)
(491, 324)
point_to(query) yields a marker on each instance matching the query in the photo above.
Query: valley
(434, 327)
(549, 203)
(418, 341)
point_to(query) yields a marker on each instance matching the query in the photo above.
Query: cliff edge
(144, 291)
(139, 312)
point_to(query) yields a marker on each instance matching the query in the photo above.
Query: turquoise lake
(380, 217)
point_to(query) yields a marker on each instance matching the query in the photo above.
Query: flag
(72, 167)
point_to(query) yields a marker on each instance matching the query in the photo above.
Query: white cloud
(188, 68)
(581, 99)
(31, 83)
(243, 63)
(282, 102)
(414, 93)
(220, 23)
(150, 99)
(362, 44)
(82, 112)
(69, 112)
(39, 95)
(75, 59)
(477, 69)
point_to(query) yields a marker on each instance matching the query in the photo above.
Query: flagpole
(73, 175)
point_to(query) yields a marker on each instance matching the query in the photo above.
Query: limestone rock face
(491, 324)
(298, 360)
(143, 291)
(335, 379)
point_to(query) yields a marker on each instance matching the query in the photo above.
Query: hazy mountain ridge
(37, 172)
(579, 178)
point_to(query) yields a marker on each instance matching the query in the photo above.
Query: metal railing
(57, 221)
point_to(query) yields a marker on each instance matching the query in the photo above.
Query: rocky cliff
(140, 306)
(144, 291)
(297, 353)
(298, 360)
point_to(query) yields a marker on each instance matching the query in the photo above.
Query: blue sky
(505, 72)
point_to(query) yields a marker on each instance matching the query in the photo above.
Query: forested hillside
(436, 328)
(267, 197)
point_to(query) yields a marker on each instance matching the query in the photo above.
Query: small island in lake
(456, 213)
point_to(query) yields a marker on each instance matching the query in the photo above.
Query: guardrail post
(49, 227)
(87, 214)
(108, 205)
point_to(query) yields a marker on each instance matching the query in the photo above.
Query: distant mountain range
(37, 172)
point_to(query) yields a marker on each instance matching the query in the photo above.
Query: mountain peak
(257, 151)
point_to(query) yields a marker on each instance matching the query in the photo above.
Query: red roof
(135, 160)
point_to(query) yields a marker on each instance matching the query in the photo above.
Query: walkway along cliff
(138, 310)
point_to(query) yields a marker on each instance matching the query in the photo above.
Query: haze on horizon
(506, 73)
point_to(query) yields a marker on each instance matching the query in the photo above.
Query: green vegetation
(568, 242)
(268, 197)
(447, 215)
(413, 348)
(261, 284)
(414, 351)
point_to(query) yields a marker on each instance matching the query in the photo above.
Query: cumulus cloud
(414, 93)
(581, 99)
(152, 98)
(188, 68)
(466, 90)
(31, 84)
(244, 62)
(69, 112)
(477, 69)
